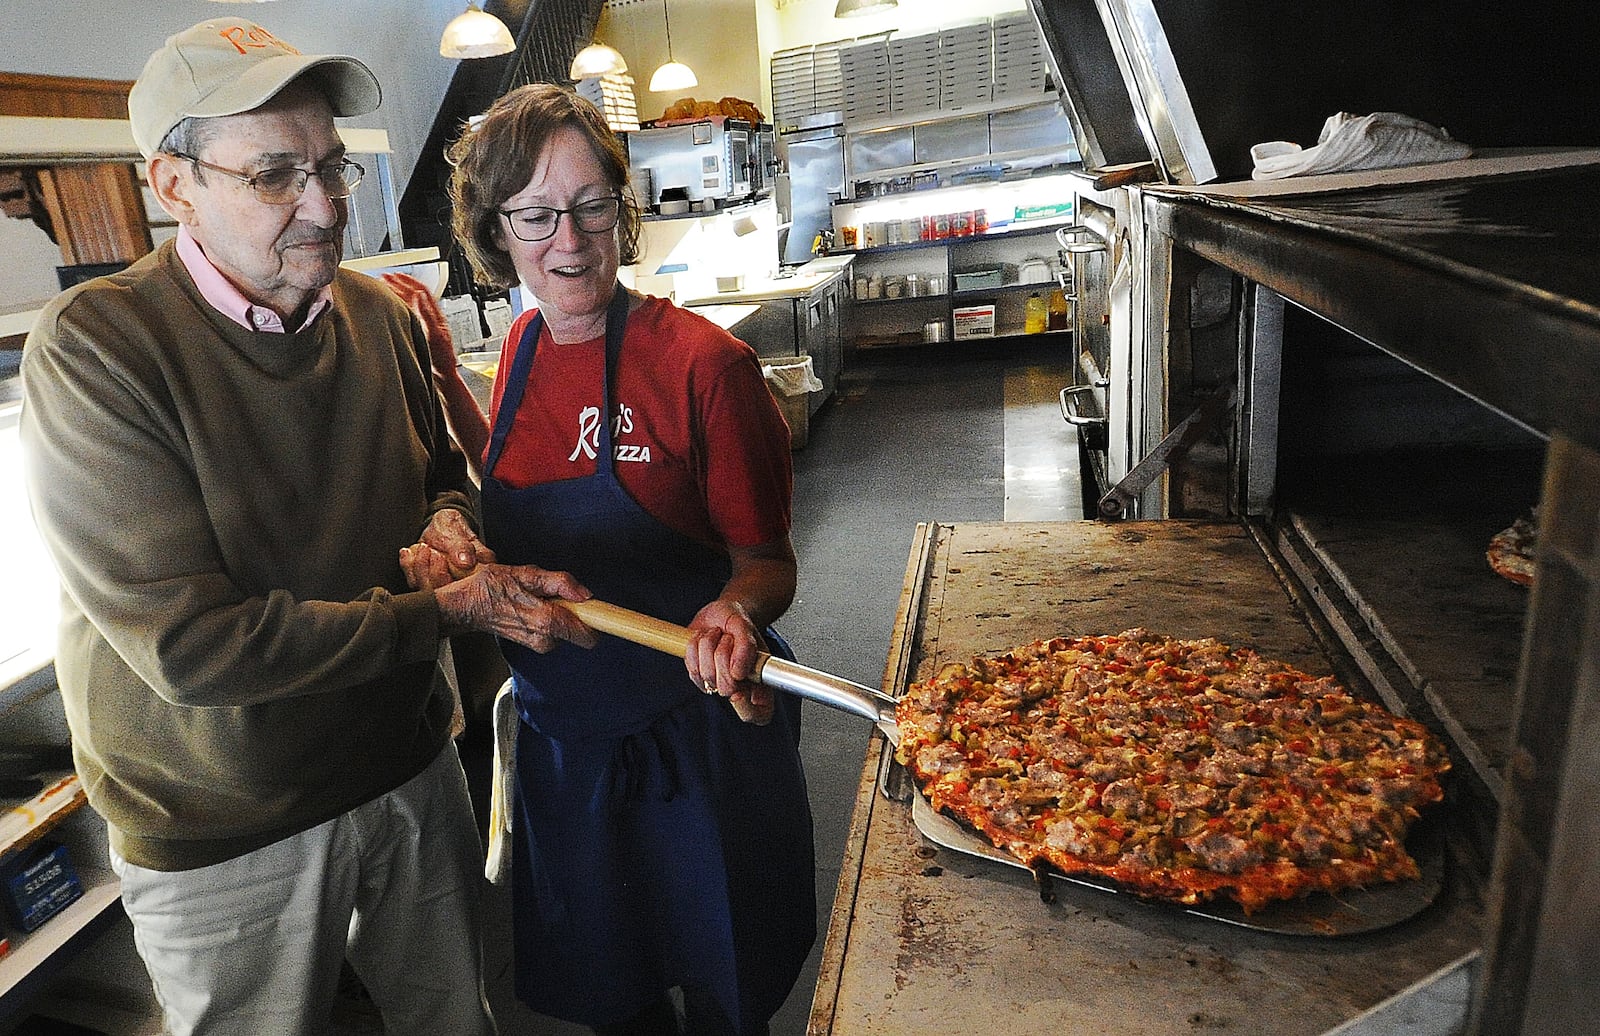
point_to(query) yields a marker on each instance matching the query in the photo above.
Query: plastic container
(1035, 315)
(461, 314)
(791, 385)
(966, 280)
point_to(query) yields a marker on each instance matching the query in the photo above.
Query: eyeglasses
(284, 185)
(537, 222)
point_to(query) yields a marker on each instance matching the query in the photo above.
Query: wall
(716, 38)
(110, 39)
(729, 43)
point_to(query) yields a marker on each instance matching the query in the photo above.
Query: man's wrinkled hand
(449, 550)
(516, 602)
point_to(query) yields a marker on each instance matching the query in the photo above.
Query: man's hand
(515, 602)
(449, 550)
(721, 659)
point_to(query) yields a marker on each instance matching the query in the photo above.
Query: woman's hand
(721, 659)
(449, 550)
(417, 297)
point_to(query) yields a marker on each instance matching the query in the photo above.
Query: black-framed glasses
(284, 185)
(537, 222)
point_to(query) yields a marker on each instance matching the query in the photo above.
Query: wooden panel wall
(96, 209)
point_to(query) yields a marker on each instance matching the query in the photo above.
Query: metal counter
(930, 940)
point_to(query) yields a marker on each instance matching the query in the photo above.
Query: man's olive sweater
(239, 655)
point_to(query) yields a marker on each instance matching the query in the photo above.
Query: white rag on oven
(1375, 141)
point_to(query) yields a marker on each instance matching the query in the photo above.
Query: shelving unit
(885, 320)
(36, 955)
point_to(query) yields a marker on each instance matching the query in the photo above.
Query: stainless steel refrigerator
(814, 157)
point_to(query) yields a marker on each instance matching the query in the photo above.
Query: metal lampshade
(674, 75)
(475, 34)
(597, 59)
(857, 8)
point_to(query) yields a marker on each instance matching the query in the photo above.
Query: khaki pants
(255, 945)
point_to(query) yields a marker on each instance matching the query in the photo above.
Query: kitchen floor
(959, 433)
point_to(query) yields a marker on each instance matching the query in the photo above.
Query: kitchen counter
(930, 939)
(800, 314)
(725, 315)
(766, 289)
(817, 274)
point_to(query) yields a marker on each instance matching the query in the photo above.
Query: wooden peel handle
(774, 672)
(640, 629)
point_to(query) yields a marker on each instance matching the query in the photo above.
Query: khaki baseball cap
(225, 66)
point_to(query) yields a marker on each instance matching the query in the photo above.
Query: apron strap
(517, 381)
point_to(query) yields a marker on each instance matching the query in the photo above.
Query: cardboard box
(974, 321)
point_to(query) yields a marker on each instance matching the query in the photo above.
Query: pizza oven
(1407, 369)
(1374, 376)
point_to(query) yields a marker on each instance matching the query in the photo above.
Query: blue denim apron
(659, 841)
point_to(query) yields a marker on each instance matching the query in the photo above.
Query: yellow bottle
(1036, 317)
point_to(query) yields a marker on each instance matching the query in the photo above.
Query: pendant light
(475, 34)
(597, 59)
(674, 75)
(858, 8)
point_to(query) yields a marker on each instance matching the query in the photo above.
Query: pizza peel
(778, 673)
(1351, 912)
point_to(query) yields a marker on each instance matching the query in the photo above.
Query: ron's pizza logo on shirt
(588, 444)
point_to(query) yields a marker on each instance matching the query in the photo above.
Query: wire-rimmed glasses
(283, 185)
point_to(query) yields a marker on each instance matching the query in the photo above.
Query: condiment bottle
(1035, 315)
(1060, 313)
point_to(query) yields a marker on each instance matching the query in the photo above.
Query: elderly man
(233, 447)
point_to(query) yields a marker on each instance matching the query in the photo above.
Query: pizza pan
(777, 673)
(1351, 912)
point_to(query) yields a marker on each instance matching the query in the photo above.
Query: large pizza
(1180, 769)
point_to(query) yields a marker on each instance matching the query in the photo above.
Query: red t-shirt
(698, 441)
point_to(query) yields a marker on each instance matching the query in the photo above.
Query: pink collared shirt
(226, 299)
